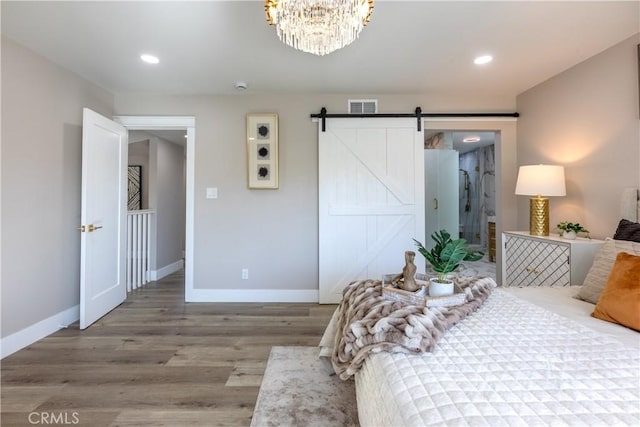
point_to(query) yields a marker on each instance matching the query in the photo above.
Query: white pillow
(603, 262)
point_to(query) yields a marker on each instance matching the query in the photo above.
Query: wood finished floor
(155, 360)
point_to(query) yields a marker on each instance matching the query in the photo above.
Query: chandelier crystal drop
(318, 26)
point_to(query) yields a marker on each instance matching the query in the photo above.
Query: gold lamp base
(539, 216)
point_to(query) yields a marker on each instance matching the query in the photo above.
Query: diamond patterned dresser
(545, 261)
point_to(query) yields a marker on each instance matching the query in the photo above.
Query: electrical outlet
(245, 274)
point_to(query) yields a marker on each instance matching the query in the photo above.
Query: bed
(511, 363)
(528, 356)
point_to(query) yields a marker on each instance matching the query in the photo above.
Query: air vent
(363, 106)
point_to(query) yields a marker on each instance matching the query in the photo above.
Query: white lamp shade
(544, 180)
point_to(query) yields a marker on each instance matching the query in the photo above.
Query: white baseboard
(37, 331)
(166, 270)
(251, 295)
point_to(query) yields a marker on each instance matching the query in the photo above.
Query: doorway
(185, 125)
(156, 207)
(475, 171)
(506, 171)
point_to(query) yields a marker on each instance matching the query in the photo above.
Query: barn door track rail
(418, 114)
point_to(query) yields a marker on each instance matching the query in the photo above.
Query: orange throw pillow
(620, 299)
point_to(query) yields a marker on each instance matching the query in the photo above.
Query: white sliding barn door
(103, 216)
(371, 199)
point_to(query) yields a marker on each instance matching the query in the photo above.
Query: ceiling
(409, 46)
(484, 139)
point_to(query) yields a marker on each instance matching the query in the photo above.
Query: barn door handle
(435, 203)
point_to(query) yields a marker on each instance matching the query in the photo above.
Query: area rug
(297, 390)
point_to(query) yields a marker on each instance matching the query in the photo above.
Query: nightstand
(545, 261)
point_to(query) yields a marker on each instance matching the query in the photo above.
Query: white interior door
(441, 193)
(371, 199)
(103, 217)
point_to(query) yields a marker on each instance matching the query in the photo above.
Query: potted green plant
(570, 230)
(445, 257)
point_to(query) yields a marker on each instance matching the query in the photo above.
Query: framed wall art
(134, 188)
(262, 151)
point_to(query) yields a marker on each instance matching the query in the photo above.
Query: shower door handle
(435, 203)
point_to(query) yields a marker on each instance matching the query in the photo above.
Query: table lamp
(539, 181)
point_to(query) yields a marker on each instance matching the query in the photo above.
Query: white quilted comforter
(511, 363)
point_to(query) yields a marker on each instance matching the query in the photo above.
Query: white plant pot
(569, 235)
(437, 289)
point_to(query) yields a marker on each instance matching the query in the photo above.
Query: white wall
(41, 159)
(273, 233)
(170, 203)
(586, 119)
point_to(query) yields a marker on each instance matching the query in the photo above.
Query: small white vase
(437, 289)
(569, 235)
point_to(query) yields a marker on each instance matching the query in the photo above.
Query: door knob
(92, 227)
(435, 204)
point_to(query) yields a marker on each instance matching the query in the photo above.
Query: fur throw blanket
(369, 323)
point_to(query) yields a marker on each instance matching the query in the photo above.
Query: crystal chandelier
(318, 26)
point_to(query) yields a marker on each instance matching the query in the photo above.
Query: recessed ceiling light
(469, 139)
(150, 59)
(484, 59)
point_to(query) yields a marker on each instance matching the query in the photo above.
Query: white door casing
(370, 199)
(103, 217)
(187, 123)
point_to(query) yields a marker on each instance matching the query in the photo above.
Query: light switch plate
(212, 193)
